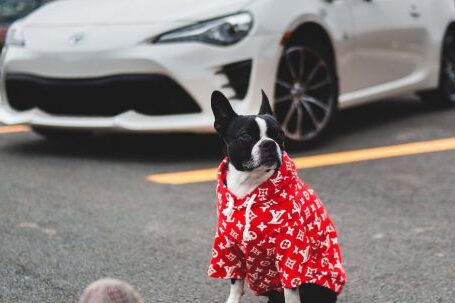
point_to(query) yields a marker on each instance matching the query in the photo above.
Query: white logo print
(277, 179)
(310, 272)
(276, 216)
(265, 263)
(296, 208)
(307, 213)
(255, 251)
(285, 244)
(262, 193)
(272, 273)
(262, 226)
(295, 282)
(289, 166)
(254, 276)
(305, 254)
(290, 231)
(229, 212)
(211, 270)
(251, 235)
(234, 234)
(306, 195)
(230, 257)
(262, 285)
(324, 262)
(300, 235)
(220, 263)
(229, 271)
(290, 263)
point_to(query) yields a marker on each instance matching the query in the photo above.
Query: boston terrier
(273, 230)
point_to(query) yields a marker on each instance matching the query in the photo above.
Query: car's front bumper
(194, 66)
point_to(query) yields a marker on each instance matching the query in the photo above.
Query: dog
(273, 231)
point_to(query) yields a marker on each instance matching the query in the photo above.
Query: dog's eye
(245, 137)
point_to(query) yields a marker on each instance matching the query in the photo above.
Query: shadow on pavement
(128, 147)
(186, 147)
(375, 115)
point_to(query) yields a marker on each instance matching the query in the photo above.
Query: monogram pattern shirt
(279, 235)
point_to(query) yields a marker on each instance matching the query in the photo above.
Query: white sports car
(150, 66)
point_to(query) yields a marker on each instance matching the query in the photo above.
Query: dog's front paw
(235, 298)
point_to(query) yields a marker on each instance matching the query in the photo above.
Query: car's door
(389, 39)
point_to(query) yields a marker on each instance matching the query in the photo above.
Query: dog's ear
(266, 109)
(223, 112)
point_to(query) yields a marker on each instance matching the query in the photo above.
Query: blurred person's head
(110, 291)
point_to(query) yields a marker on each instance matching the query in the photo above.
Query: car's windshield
(11, 10)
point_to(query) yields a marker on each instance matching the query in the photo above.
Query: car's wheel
(59, 135)
(444, 95)
(306, 92)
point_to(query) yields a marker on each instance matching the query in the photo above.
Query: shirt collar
(266, 190)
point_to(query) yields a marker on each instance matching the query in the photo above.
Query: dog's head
(252, 141)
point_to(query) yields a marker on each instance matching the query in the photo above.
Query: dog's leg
(236, 291)
(291, 295)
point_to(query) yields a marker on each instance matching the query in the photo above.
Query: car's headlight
(15, 36)
(221, 31)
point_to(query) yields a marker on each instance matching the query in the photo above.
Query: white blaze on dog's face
(266, 152)
(252, 141)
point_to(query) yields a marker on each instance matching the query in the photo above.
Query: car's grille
(105, 97)
(238, 74)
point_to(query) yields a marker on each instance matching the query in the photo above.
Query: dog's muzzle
(270, 154)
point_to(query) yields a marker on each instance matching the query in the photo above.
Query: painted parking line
(14, 129)
(204, 175)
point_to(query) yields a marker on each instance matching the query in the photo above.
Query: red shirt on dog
(279, 235)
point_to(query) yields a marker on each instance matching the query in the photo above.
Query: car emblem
(76, 39)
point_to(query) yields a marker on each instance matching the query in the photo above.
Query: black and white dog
(254, 150)
(254, 144)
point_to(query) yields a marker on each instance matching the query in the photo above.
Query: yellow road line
(14, 129)
(204, 175)
(185, 177)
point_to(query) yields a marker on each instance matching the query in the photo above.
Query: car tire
(59, 135)
(444, 95)
(306, 92)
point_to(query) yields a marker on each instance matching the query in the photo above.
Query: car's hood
(116, 12)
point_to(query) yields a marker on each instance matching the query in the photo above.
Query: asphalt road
(73, 213)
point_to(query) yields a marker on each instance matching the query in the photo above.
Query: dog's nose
(268, 145)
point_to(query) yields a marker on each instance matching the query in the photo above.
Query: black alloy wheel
(306, 92)
(444, 95)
